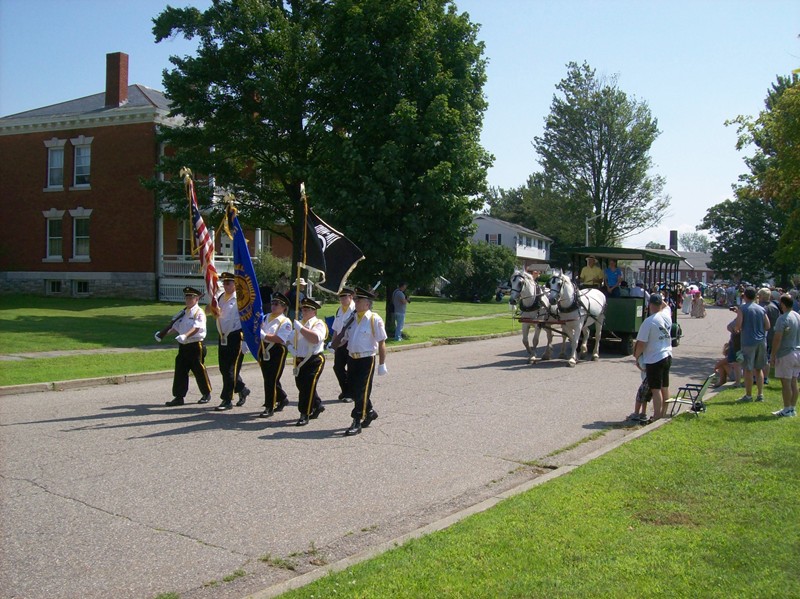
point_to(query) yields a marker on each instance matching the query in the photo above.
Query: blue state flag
(248, 297)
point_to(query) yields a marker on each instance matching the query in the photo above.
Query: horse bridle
(537, 301)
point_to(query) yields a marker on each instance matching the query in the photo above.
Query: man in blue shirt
(753, 324)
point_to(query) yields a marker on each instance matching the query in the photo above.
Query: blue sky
(696, 64)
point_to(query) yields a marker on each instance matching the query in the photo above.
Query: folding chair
(691, 394)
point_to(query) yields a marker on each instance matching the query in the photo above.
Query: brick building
(79, 222)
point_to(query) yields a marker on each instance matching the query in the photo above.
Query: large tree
(694, 242)
(594, 153)
(746, 231)
(377, 107)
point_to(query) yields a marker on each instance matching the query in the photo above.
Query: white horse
(578, 310)
(534, 305)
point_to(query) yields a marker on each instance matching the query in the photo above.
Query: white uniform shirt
(306, 347)
(228, 321)
(341, 317)
(366, 333)
(277, 325)
(193, 317)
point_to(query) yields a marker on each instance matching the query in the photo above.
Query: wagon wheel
(626, 344)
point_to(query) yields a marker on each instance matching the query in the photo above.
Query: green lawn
(702, 507)
(36, 324)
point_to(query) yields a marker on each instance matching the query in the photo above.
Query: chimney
(673, 240)
(116, 79)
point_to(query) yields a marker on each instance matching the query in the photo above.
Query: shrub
(476, 277)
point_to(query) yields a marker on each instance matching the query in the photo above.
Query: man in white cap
(365, 339)
(190, 331)
(230, 344)
(311, 333)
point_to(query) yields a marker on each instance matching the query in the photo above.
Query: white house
(528, 246)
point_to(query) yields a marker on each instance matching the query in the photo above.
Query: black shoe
(282, 404)
(371, 415)
(225, 405)
(354, 429)
(205, 399)
(243, 397)
(346, 399)
(178, 401)
(266, 413)
(315, 414)
(303, 421)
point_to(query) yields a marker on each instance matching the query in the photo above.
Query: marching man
(365, 338)
(230, 345)
(191, 330)
(311, 335)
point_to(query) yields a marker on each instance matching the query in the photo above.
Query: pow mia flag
(329, 252)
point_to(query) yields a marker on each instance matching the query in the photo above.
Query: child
(643, 395)
(721, 368)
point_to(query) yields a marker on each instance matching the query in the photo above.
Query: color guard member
(365, 338)
(191, 330)
(310, 360)
(345, 316)
(276, 331)
(230, 345)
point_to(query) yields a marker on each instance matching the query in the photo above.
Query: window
(55, 163)
(80, 287)
(493, 238)
(53, 287)
(184, 239)
(54, 229)
(80, 234)
(263, 241)
(83, 160)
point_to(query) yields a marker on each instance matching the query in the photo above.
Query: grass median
(703, 507)
(32, 324)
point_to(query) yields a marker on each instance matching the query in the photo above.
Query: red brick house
(80, 223)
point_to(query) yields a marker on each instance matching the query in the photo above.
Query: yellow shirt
(591, 275)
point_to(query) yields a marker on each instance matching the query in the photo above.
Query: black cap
(192, 291)
(360, 293)
(310, 303)
(279, 297)
(227, 276)
(656, 299)
(345, 291)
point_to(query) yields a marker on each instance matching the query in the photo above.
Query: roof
(139, 96)
(513, 226)
(651, 255)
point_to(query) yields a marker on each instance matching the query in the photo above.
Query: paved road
(106, 493)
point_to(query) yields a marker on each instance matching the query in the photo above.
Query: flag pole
(303, 255)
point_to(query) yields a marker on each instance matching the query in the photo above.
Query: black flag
(329, 252)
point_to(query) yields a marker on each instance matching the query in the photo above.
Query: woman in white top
(276, 331)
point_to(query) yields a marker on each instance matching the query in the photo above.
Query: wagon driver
(591, 275)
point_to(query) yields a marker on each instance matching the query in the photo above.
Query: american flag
(204, 246)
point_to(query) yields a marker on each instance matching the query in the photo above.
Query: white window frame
(80, 215)
(81, 143)
(50, 216)
(55, 147)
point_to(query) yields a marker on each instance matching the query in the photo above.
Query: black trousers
(360, 372)
(272, 370)
(191, 357)
(306, 381)
(340, 369)
(230, 365)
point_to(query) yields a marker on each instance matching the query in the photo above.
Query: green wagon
(624, 315)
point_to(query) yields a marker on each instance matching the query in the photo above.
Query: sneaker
(759, 398)
(787, 413)
(744, 399)
(643, 418)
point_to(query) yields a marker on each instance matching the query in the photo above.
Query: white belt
(358, 356)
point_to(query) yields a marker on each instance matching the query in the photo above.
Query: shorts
(788, 367)
(755, 356)
(658, 373)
